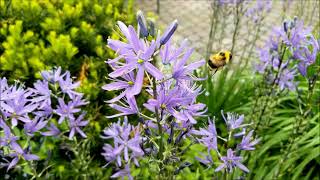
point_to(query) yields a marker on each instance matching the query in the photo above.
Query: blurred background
(195, 16)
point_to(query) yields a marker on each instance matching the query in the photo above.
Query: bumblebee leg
(215, 72)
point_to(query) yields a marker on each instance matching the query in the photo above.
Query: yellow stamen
(130, 83)
(140, 61)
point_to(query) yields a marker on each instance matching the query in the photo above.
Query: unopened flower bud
(295, 21)
(152, 30)
(142, 24)
(285, 26)
(169, 32)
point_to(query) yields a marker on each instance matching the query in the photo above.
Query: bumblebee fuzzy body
(217, 61)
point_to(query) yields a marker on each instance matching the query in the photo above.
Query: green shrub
(36, 35)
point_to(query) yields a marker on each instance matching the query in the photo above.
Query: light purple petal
(134, 40)
(124, 29)
(153, 70)
(71, 134)
(195, 65)
(121, 95)
(147, 55)
(242, 167)
(139, 82)
(15, 146)
(219, 168)
(121, 109)
(115, 86)
(81, 132)
(123, 70)
(13, 163)
(30, 157)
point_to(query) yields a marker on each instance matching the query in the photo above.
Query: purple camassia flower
(76, 124)
(233, 121)
(286, 80)
(298, 41)
(5, 91)
(53, 131)
(298, 34)
(265, 60)
(123, 173)
(305, 55)
(53, 75)
(182, 72)
(132, 47)
(20, 153)
(246, 144)
(66, 110)
(11, 92)
(137, 54)
(111, 154)
(8, 139)
(127, 84)
(231, 161)
(302, 44)
(126, 143)
(260, 7)
(11, 141)
(46, 111)
(167, 99)
(123, 142)
(35, 125)
(67, 86)
(115, 129)
(41, 93)
(206, 160)
(188, 112)
(125, 110)
(208, 136)
(78, 101)
(178, 101)
(169, 53)
(18, 108)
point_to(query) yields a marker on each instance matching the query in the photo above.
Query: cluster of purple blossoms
(33, 110)
(290, 49)
(150, 68)
(236, 130)
(126, 146)
(257, 11)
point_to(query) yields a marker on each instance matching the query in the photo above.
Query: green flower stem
(273, 86)
(160, 141)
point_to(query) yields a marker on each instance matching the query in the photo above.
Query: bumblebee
(217, 61)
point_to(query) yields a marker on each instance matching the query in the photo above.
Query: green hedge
(36, 35)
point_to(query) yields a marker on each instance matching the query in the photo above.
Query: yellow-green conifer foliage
(38, 34)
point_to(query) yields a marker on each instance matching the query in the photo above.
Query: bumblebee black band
(212, 65)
